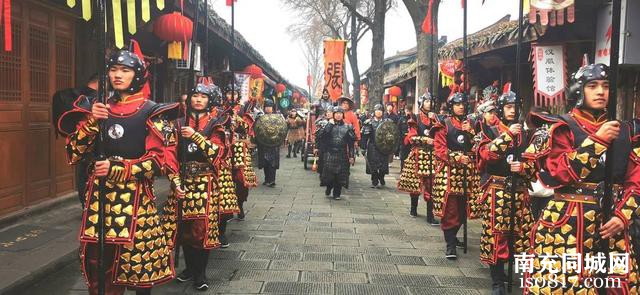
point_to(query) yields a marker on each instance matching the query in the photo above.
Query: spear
(516, 155)
(101, 38)
(187, 119)
(607, 201)
(464, 72)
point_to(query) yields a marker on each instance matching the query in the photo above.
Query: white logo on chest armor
(116, 131)
(461, 139)
(192, 147)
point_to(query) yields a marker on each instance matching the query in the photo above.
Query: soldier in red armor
(201, 150)
(573, 165)
(139, 144)
(499, 145)
(457, 180)
(416, 177)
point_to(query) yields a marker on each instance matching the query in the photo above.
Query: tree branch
(355, 12)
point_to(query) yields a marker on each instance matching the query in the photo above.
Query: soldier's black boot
(327, 191)
(223, 229)
(289, 150)
(241, 214)
(414, 206)
(200, 279)
(187, 274)
(498, 279)
(430, 217)
(450, 239)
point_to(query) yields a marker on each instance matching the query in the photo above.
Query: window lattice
(39, 63)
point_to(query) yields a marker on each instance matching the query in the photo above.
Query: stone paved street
(296, 241)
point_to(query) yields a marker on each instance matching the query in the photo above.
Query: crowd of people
(466, 164)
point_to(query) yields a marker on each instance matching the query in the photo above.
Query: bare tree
(375, 22)
(425, 56)
(333, 20)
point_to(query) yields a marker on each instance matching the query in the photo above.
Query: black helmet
(505, 99)
(338, 109)
(269, 103)
(457, 97)
(131, 60)
(584, 75)
(378, 107)
(426, 98)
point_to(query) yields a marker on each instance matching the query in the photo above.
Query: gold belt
(194, 168)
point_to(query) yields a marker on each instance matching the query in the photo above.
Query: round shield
(387, 137)
(270, 130)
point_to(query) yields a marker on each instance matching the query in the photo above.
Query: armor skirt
(573, 228)
(496, 223)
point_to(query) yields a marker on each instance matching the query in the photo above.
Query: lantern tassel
(146, 14)
(86, 10)
(160, 4)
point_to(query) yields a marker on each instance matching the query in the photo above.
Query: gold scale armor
(497, 204)
(570, 226)
(143, 256)
(419, 164)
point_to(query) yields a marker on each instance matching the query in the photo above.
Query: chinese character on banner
(334, 51)
(242, 80)
(549, 74)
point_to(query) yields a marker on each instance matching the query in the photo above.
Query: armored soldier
(574, 166)
(139, 144)
(338, 139)
(416, 177)
(349, 116)
(320, 123)
(269, 157)
(202, 149)
(497, 148)
(377, 164)
(457, 180)
(295, 133)
(244, 176)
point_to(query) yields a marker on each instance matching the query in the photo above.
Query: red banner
(334, 51)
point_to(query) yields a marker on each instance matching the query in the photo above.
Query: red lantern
(254, 71)
(296, 95)
(176, 28)
(395, 91)
(280, 87)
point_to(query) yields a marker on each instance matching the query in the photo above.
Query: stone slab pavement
(294, 240)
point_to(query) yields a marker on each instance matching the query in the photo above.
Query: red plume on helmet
(506, 88)
(134, 47)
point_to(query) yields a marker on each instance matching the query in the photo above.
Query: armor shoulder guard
(539, 145)
(539, 119)
(69, 120)
(163, 120)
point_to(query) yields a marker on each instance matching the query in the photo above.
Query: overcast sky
(264, 24)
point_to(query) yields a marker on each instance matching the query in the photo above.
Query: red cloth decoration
(309, 79)
(134, 47)
(230, 2)
(255, 71)
(173, 27)
(5, 15)
(395, 91)
(280, 87)
(429, 25)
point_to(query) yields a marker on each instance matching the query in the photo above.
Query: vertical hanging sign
(549, 74)
(334, 51)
